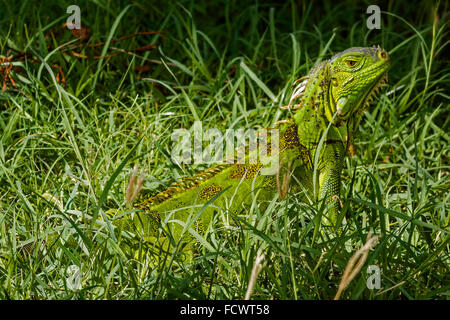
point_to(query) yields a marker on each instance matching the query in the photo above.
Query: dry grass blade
(257, 267)
(284, 187)
(134, 187)
(355, 264)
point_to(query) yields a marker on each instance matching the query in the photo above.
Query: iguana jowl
(332, 100)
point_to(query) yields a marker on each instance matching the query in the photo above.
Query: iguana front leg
(330, 179)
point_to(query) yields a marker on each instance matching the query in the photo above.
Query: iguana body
(333, 96)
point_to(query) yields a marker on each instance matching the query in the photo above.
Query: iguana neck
(311, 117)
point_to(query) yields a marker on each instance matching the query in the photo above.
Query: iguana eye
(350, 63)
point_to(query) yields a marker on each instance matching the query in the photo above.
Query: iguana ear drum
(340, 106)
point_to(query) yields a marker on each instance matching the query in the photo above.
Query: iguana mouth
(369, 97)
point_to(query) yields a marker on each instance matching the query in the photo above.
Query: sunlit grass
(67, 153)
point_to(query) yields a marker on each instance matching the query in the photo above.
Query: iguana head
(356, 76)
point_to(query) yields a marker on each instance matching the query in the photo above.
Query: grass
(67, 153)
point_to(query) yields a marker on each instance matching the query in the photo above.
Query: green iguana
(332, 100)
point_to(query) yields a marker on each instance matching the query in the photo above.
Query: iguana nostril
(383, 55)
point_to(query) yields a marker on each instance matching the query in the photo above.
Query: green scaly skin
(333, 98)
